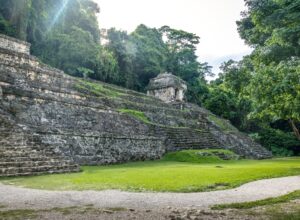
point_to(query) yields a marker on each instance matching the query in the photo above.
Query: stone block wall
(13, 44)
(46, 102)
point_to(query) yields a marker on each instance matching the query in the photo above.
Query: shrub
(279, 142)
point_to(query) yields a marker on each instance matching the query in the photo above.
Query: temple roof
(165, 80)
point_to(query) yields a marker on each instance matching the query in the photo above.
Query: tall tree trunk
(295, 129)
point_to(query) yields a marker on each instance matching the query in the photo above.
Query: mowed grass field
(185, 171)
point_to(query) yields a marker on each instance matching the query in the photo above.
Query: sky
(212, 20)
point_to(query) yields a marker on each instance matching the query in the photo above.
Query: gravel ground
(18, 197)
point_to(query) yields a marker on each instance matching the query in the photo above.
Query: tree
(109, 68)
(181, 57)
(150, 54)
(70, 51)
(183, 62)
(275, 91)
(272, 29)
(14, 17)
(124, 51)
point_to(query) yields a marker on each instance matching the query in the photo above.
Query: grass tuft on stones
(224, 125)
(264, 202)
(96, 89)
(202, 156)
(19, 214)
(136, 114)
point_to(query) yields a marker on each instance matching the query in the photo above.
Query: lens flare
(58, 14)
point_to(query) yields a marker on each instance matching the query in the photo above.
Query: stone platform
(51, 122)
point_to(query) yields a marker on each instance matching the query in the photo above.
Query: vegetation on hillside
(259, 94)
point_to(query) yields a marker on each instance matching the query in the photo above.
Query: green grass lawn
(165, 175)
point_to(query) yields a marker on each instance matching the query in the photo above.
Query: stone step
(26, 153)
(191, 138)
(48, 162)
(30, 158)
(194, 143)
(194, 147)
(25, 147)
(20, 170)
(42, 173)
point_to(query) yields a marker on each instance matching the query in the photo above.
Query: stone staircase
(22, 155)
(253, 150)
(187, 138)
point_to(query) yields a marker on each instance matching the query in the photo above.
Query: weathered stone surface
(13, 44)
(229, 137)
(50, 122)
(167, 87)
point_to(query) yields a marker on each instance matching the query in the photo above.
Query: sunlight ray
(58, 14)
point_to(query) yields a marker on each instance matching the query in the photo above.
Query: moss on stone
(97, 89)
(136, 114)
(222, 124)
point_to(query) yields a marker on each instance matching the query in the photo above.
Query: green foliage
(182, 61)
(275, 90)
(64, 34)
(108, 69)
(272, 28)
(160, 176)
(123, 50)
(228, 96)
(279, 142)
(222, 103)
(270, 201)
(70, 52)
(264, 87)
(150, 54)
(136, 114)
(5, 27)
(198, 91)
(144, 54)
(15, 17)
(201, 156)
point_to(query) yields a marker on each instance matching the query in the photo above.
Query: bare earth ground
(113, 204)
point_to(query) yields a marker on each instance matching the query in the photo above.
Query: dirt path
(19, 198)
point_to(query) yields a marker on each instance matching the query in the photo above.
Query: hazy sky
(212, 20)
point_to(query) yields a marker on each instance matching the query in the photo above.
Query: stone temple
(167, 87)
(51, 122)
